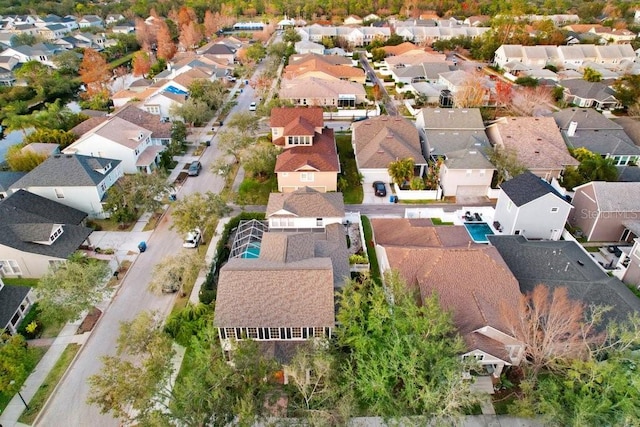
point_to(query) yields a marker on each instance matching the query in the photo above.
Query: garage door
(471, 191)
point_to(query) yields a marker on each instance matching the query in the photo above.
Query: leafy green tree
(260, 160)
(211, 93)
(67, 62)
(198, 210)
(627, 89)
(592, 167)
(182, 267)
(401, 171)
(133, 384)
(14, 122)
(53, 136)
(290, 35)
(193, 111)
(159, 66)
(71, 288)
(393, 375)
(16, 361)
(591, 75)
(256, 52)
(507, 165)
(23, 161)
(378, 55)
(133, 194)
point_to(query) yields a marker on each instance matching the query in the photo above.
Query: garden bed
(89, 321)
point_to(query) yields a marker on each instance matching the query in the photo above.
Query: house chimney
(572, 128)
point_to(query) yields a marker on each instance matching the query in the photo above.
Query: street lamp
(19, 394)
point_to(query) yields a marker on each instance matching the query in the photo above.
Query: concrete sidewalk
(194, 298)
(67, 336)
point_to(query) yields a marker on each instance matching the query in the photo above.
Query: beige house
(317, 91)
(304, 209)
(536, 142)
(313, 65)
(471, 280)
(310, 158)
(607, 211)
(378, 141)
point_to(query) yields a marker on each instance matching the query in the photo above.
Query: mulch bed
(90, 321)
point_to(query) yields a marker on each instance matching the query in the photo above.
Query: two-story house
(77, 181)
(15, 302)
(310, 157)
(120, 140)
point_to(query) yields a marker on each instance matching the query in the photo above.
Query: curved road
(68, 406)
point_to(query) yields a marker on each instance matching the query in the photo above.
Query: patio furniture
(478, 216)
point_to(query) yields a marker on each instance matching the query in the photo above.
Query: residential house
(458, 82)
(536, 143)
(220, 51)
(414, 57)
(7, 40)
(565, 264)
(295, 265)
(587, 128)
(477, 20)
(76, 181)
(162, 104)
(353, 20)
(471, 281)
(590, 94)
(424, 72)
(457, 136)
(124, 28)
(7, 179)
(322, 67)
(120, 140)
(114, 18)
(530, 206)
(37, 233)
(160, 129)
(355, 37)
(15, 302)
(632, 273)
(23, 29)
(305, 47)
(310, 158)
(70, 22)
(378, 141)
(304, 209)
(41, 52)
(90, 21)
(607, 211)
(53, 31)
(320, 92)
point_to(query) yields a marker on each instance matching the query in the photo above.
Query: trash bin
(391, 198)
(142, 246)
(172, 198)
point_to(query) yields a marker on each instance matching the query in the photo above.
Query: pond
(10, 139)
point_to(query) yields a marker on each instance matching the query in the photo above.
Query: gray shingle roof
(452, 118)
(67, 170)
(617, 196)
(527, 187)
(564, 264)
(24, 215)
(463, 149)
(10, 299)
(8, 178)
(307, 203)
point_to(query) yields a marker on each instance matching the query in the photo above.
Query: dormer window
(299, 140)
(57, 231)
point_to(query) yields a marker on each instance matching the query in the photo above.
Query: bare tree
(532, 101)
(555, 328)
(472, 93)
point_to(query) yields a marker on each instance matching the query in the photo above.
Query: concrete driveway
(371, 199)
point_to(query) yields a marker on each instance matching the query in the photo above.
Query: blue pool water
(478, 231)
(252, 251)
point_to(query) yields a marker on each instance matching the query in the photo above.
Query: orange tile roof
(401, 48)
(322, 156)
(282, 116)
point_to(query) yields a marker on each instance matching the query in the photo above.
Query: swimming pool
(478, 231)
(252, 251)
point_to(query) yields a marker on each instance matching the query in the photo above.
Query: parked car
(380, 189)
(194, 168)
(253, 106)
(173, 284)
(192, 239)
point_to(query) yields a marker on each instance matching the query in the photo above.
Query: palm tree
(597, 168)
(401, 171)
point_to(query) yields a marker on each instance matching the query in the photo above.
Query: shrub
(358, 259)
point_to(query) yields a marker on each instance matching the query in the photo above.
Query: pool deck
(457, 217)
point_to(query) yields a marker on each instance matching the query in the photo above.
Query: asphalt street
(68, 406)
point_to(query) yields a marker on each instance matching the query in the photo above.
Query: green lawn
(121, 61)
(20, 281)
(352, 190)
(438, 221)
(371, 250)
(36, 355)
(45, 390)
(254, 192)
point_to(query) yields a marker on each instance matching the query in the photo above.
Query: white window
(55, 234)
(59, 193)
(306, 177)
(509, 205)
(10, 267)
(554, 210)
(285, 174)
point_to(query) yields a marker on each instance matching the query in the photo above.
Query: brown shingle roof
(258, 293)
(384, 139)
(321, 156)
(282, 116)
(537, 141)
(185, 79)
(88, 124)
(471, 280)
(306, 203)
(146, 120)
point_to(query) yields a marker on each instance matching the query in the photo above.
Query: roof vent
(57, 156)
(68, 156)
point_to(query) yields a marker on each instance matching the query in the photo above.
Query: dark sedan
(380, 189)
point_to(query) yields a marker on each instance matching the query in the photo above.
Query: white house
(15, 302)
(530, 206)
(121, 140)
(76, 181)
(305, 208)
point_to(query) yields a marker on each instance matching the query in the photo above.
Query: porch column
(422, 170)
